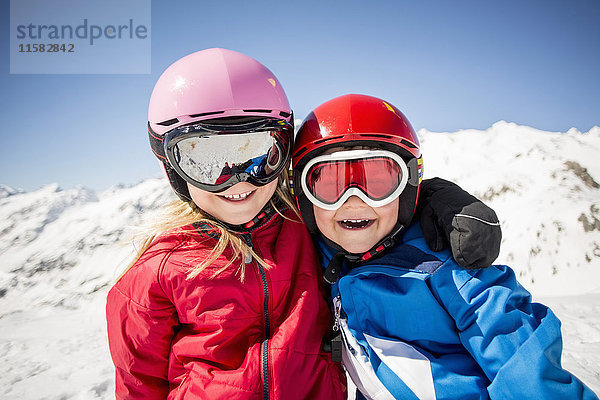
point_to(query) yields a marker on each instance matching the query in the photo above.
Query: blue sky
(447, 65)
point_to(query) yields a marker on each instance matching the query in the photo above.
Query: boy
(414, 325)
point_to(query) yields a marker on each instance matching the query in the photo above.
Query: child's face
(236, 211)
(355, 225)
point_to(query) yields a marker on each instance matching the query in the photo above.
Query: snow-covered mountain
(545, 188)
(61, 250)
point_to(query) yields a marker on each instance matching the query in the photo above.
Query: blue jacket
(417, 326)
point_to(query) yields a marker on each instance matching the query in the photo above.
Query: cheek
(388, 215)
(324, 219)
(200, 197)
(269, 190)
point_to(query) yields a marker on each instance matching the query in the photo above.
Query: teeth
(237, 197)
(355, 223)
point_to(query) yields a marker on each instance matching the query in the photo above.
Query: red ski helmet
(358, 120)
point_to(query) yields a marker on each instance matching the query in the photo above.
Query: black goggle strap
(157, 144)
(178, 184)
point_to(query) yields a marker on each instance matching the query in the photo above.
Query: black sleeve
(449, 215)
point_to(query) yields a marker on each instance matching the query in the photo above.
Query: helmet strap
(334, 268)
(384, 244)
(259, 220)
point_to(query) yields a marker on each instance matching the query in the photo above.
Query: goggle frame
(348, 155)
(281, 130)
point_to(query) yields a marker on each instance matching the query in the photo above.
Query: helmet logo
(394, 111)
(389, 107)
(272, 82)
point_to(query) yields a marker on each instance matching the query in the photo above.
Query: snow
(544, 188)
(61, 251)
(581, 335)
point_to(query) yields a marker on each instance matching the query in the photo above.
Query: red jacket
(211, 338)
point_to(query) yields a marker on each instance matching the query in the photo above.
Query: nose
(354, 202)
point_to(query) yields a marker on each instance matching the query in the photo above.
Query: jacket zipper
(267, 324)
(338, 326)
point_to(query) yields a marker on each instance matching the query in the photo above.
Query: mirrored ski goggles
(377, 177)
(214, 158)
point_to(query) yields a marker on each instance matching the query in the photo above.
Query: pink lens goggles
(377, 177)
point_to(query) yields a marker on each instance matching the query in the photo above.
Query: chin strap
(332, 272)
(260, 219)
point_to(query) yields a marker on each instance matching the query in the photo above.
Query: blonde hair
(179, 214)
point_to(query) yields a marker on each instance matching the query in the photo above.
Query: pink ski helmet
(207, 85)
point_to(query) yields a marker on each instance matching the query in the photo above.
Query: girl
(224, 301)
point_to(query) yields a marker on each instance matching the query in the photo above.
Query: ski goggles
(377, 177)
(214, 157)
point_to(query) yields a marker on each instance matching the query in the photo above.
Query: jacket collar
(337, 262)
(260, 220)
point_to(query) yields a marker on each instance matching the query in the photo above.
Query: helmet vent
(234, 120)
(409, 144)
(376, 135)
(327, 139)
(258, 110)
(301, 150)
(284, 114)
(206, 113)
(381, 136)
(169, 122)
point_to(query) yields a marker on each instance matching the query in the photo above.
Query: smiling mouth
(237, 197)
(356, 223)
